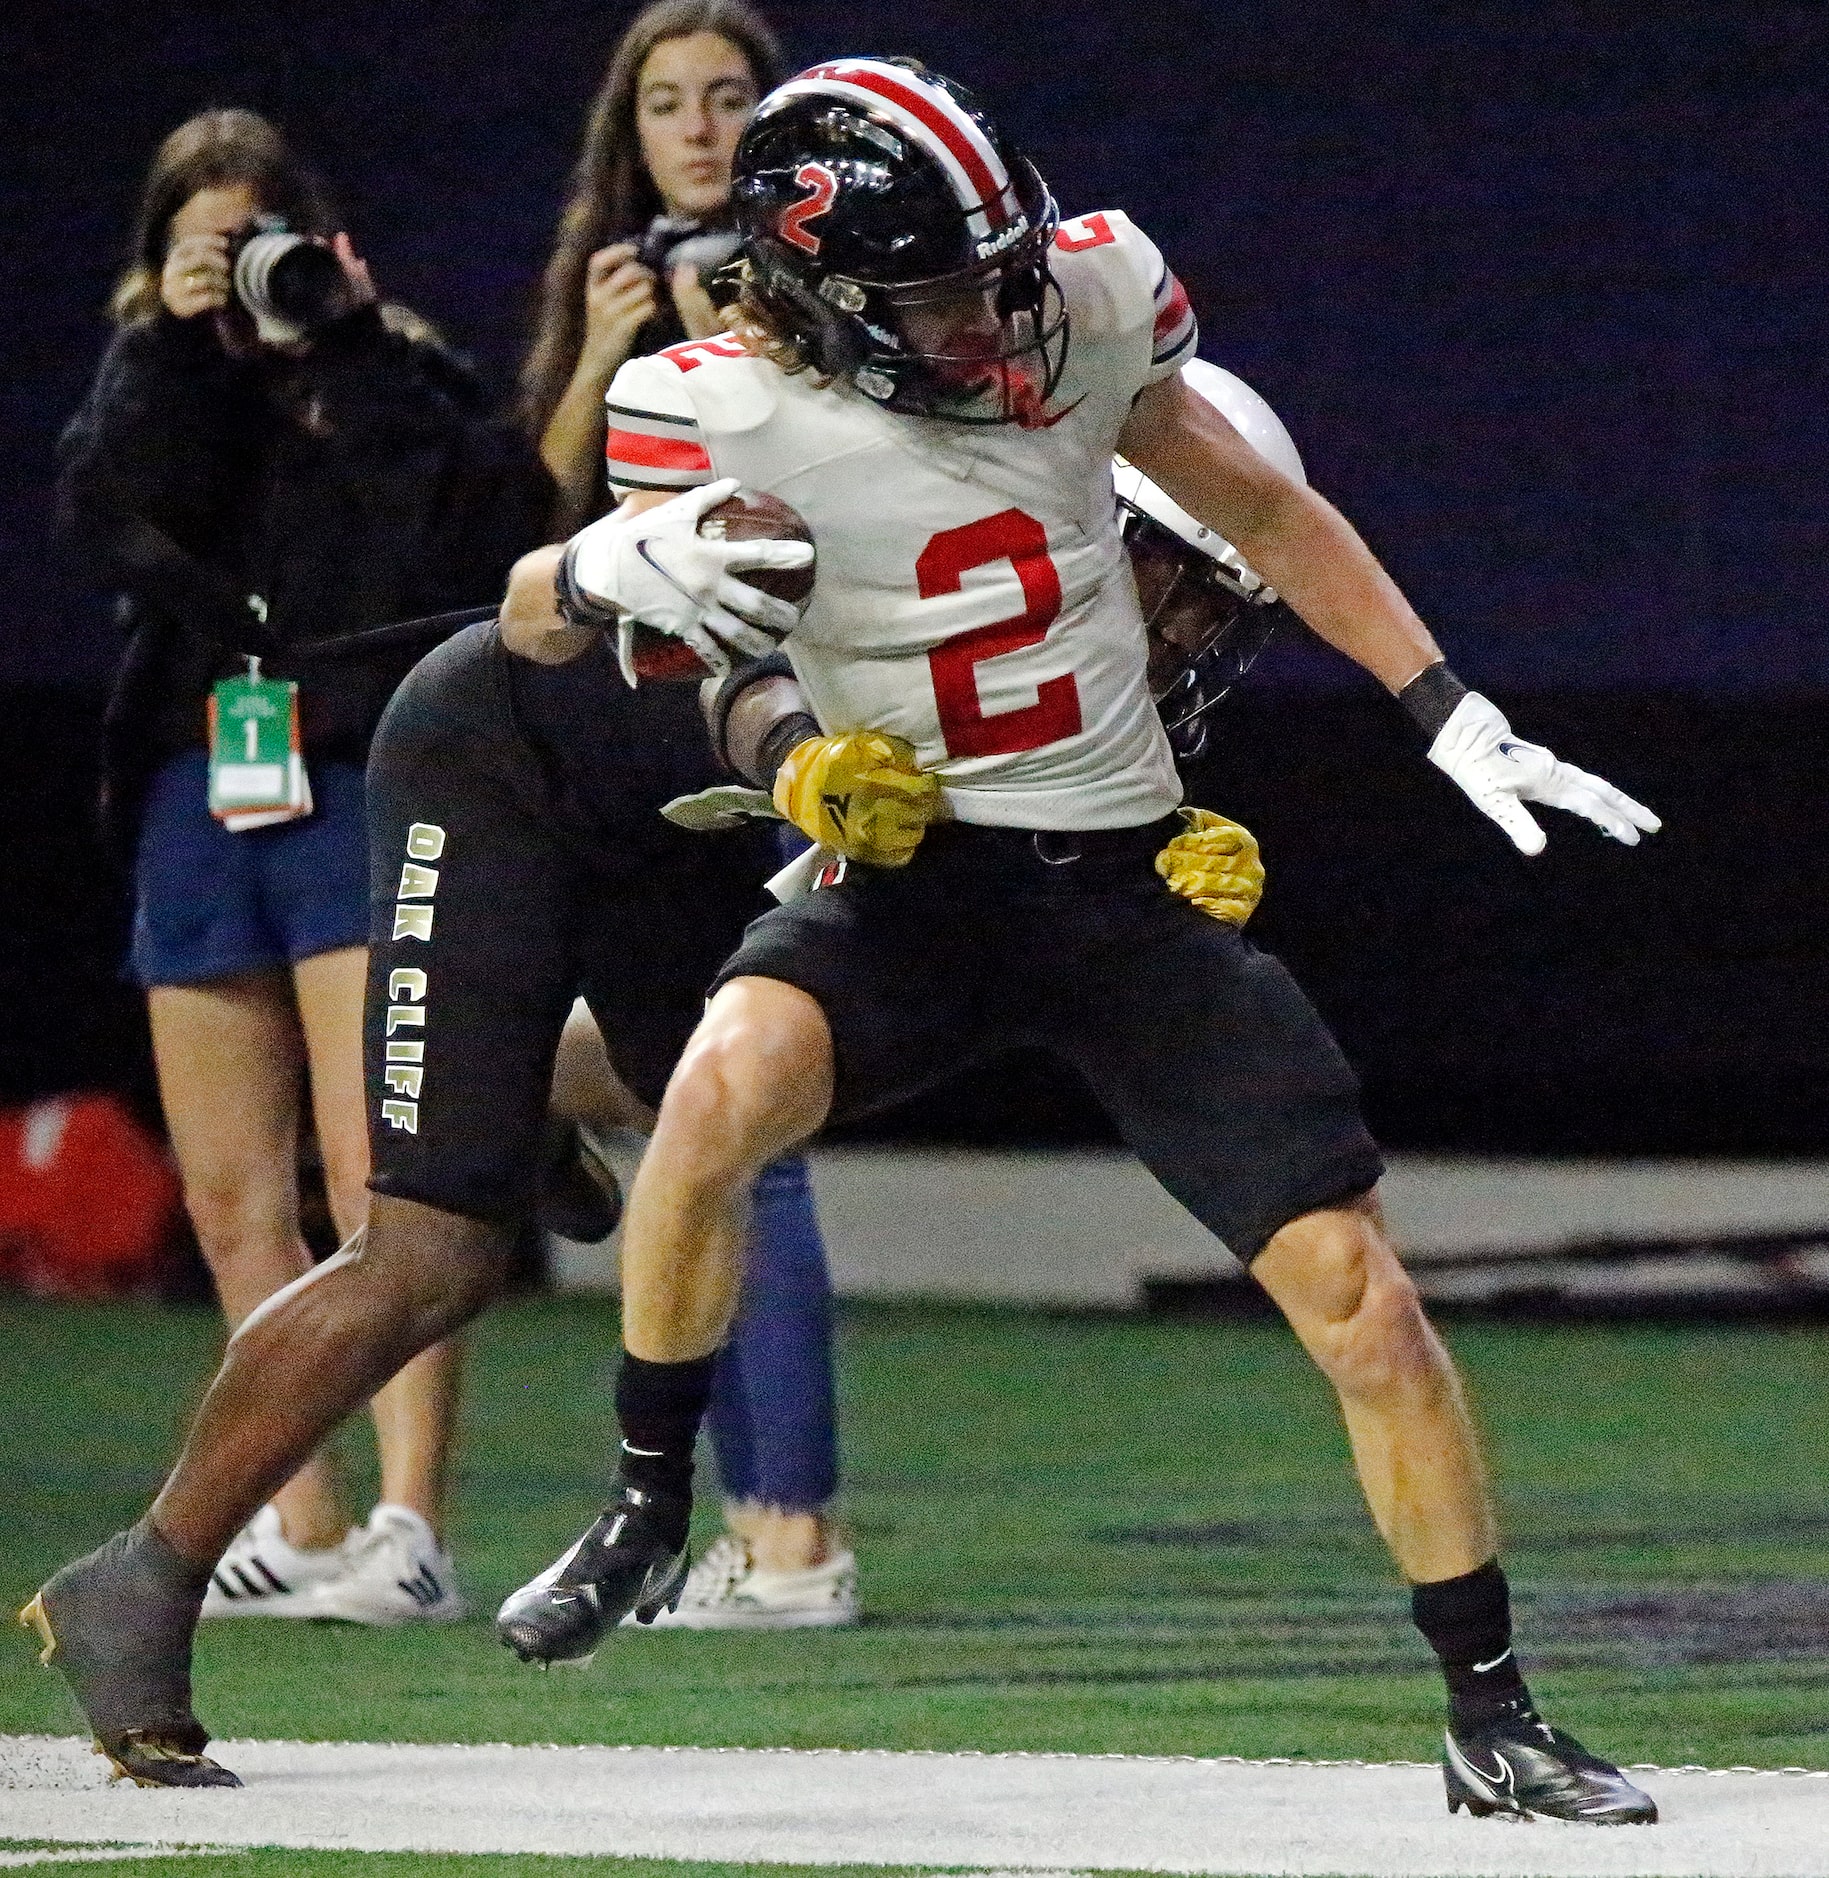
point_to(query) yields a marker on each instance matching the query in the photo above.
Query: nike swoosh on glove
(860, 794)
(1216, 865)
(656, 569)
(1477, 750)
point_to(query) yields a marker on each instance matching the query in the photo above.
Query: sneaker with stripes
(395, 1572)
(263, 1574)
(728, 1590)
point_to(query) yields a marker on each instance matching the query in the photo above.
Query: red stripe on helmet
(661, 453)
(935, 111)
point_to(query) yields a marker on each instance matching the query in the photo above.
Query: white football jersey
(972, 593)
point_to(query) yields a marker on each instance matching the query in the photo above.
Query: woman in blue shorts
(266, 461)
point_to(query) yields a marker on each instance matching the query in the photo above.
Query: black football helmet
(873, 196)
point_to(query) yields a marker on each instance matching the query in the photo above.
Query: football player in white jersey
(935, 374)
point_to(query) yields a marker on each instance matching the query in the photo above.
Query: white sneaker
(725, 1590)
(394, 1572)
(263, 1574)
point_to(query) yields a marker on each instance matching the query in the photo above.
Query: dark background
(1541, 293)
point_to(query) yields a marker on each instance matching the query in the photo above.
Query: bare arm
(572, 444)
(532, 626)
(1295, 539)
(1311, 555)
(755, 715)
(618, 299)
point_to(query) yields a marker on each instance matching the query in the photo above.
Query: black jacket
(364, 483)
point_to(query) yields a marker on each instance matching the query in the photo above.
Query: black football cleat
(622, 1565)
(577, 1194)
(1516, 1766)
(120, 1634)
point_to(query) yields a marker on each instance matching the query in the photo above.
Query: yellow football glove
(1215, 864)
(861, 795)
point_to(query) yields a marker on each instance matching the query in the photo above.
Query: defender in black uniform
(519, 859)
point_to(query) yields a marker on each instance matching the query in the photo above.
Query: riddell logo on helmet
(1005, 237)
(821, 187)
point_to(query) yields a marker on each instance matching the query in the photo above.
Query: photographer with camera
(647, 227)
(269, 459)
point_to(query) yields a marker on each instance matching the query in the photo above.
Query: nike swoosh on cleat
(1480, 1778)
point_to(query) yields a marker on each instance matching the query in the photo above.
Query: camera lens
(291, 285)
(307, 284)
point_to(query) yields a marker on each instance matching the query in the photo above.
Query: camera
(291, 284)
(676, 241)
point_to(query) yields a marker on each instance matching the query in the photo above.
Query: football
(749, 515)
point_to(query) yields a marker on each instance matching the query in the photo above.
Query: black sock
(660, 1406)
(1467, 1621)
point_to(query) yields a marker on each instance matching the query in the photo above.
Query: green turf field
(1082, 1534)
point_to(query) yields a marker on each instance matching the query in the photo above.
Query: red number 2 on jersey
(1022, 541)
(1088, 231)
(690, 354)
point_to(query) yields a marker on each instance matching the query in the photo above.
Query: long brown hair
(214, 150)
(612, 194)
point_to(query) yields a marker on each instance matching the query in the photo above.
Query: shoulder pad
(1106, 266)
(1117, 282)
(652, 436)
(718, 383)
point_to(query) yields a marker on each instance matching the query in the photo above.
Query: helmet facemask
(1004, 373)
(999, 369)
(1206, 628)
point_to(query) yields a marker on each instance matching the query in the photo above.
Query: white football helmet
(1209, 613)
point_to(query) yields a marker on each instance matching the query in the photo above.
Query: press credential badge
(257, 770)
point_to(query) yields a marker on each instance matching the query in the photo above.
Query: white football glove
(655, 568)
(1500, 774)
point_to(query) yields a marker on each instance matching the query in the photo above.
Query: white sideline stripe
(1031, 1812)
(12, 1860)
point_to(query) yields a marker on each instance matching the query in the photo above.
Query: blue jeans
(771, 1421)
